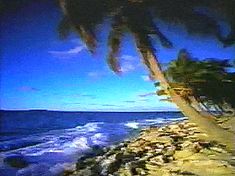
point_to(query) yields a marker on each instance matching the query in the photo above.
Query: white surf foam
(80, 143)
(99, 139)
(59, 141)
(158, 120)
(134, 125)
(90, 127)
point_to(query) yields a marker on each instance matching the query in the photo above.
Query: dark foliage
(139, 17)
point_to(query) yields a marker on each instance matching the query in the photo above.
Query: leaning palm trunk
(197, 106)
(143, 43)
(205, 123)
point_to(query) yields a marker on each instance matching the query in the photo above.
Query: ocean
(47, 142)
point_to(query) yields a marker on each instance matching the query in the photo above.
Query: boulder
(166, 140)
(157, 160)
(217, 149)
(169, 151)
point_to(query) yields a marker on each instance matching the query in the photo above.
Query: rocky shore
(176, 149)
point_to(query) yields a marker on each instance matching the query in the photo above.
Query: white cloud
(129, 63)
(84, 96)
(147, 94)
(146, 78)
(93, 74)
(127, 67)
(96, 74)
(128, 57)
(66, 54)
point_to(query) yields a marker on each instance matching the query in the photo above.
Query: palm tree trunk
(196, 105)
(206, 123)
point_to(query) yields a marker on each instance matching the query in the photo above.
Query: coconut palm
(137, 17)
(83, 16)
(207, 80)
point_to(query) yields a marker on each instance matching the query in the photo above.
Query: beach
(178, 148)
(59, 139)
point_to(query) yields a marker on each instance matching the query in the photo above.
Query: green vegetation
(206, 84)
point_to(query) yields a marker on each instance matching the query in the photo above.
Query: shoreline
(174, 149)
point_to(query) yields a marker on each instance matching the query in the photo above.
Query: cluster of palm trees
(207, 85)
(205, 82)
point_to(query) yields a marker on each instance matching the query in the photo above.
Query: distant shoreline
(45, 110)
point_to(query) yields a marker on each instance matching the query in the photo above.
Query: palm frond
(165, 42)
(162, 92)
(114, 41)
(64, 28)
(88, 37)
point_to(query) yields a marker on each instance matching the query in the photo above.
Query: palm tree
(208, 81)
(137, 17)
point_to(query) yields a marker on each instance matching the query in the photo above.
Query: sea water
(50, 141)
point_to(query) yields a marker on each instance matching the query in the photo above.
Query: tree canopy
(209, 80)
(140, 18)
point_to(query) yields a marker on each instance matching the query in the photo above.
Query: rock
(68, 172)
(196, 147)
(169, 151)
(158, 160)
(161, 129)
(133, 165)
(17, 161)
(205, 144)
(190, 125)
(163, 140)
(219, 150)
(177, 149)
(147, 148)
(108, 165)
(159, 146)
(126, 157)
(97, 150)
(177, 137)
(169, 159)
(148, 154)
(157, 151)
(186, 144)
(83, 164)
(124, 172)
(140, 171)
(87, 171)
(181, 125)
(186, 173)
(113, 167)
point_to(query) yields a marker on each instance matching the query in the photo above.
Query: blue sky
(39, 71)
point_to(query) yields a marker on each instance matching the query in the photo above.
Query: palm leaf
(114, 41)
(162, 92)
(64, 28)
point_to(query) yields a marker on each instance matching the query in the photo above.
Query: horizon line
(86, 110)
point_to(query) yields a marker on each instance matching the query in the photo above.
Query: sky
(41, 71)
